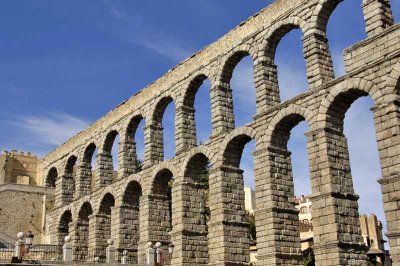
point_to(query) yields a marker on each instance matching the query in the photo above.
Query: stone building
(25, 201)
(205, 219)
(303, 205)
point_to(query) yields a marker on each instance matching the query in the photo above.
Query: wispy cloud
(162, 44)
(42, 133)
(130, 26)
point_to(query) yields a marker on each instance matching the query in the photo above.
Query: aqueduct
(134, 206)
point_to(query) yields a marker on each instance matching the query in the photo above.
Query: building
(371, 231)
(303, 204)
(25, 200)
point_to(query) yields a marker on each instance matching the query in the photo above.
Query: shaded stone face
(142, 204)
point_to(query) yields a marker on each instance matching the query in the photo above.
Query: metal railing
(43, 253)
(7, 251)
(130, 256)
(85, 255)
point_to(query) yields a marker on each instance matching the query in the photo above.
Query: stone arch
(83, 233)
(106, 203)
(292, 114)
(64, 226)
(156, 127)
(193, 152)
(334, 106)
(51, 177)
(322, 13)
(129, 220)
(165, 167)
(233, 58)
(196, 184)
(68, 179)
(392, 85)
(105, 174)
(186, 113)
(276, 32)
(109, 141)
(247, 132)
(86, 173)
(131, 162)
(132, 193)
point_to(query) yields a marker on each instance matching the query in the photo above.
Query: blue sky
(64, 64)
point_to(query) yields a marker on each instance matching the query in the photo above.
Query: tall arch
(275, 188)
(129, 221)
(156, 134)
(64, 226)
(104, 225)
(83, 233)
(68, 180)
(105, 161)
(131, 163)
(187, 116)
(86, 173)
(333, 172)
(195, 188)
(51, 177)
(230, 103)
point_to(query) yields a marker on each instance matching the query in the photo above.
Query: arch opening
(64, 226)
(349, 114)
(110, 157)
(197, 185)
(197, 100)
(83, 233)
(162, 207)
(88, 173)
(288, 55)
(344, 25)
(135, 144)
(164, 137)
(68, 187)
(289, 153)
(238, 72)
(51, 177)
(104, 225)
(238, 156)
(129, 213)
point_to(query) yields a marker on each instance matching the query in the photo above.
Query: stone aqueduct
(133, 208)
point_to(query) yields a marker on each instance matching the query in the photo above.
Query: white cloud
(162, 44)
(130, 26)
(41, 133)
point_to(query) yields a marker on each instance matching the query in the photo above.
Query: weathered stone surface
(372, 69)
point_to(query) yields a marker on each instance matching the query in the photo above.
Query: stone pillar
(277, 221)
(228, 229)
(377, 15)
(155, 224)
(266, 83)
(387, 124)
(222, 108)
(80, 232)
(190, 236)
(59, 194)
(64, 190)
(84, 179)
(127, 235)
(127, 157)
(318, 59)
(104, 170)
(185, 128)
(337, 233)
(101, 224)
(153, 137)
